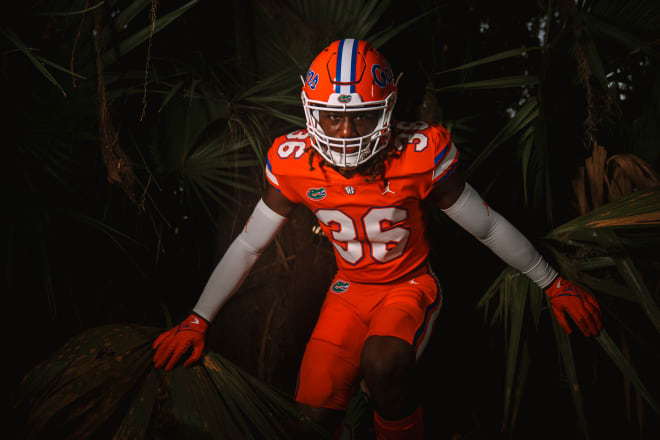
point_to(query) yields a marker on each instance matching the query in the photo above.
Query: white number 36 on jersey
(384, 241)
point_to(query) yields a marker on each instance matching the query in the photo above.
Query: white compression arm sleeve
(260, 229)
(493, 230)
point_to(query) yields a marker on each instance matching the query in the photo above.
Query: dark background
(63, 276)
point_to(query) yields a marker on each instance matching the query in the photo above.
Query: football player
(366, 178)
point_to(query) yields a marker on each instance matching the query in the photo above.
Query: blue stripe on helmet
(353, 64)
(338, 70)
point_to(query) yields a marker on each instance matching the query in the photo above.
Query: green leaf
(633, 278)
(612, 32)
(516, 292)
(133, 41)
(495, 83)
(625, 367)
(527, 143)
(380, 38)
(525, 116)
(566, 352)
(135, 424)
(67, 14)
(492, 58)
(18, 43)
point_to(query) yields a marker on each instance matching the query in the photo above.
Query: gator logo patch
(344, 98)
(316, 193)
(340, 286)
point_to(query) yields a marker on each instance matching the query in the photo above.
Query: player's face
(348, 124)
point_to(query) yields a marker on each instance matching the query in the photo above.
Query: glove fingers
(177, 353)
(584, 321)
(160, 338)
(592, 301)
(561, 319)
(594, 314)
(163, 353)
(590, 312)
(198, 348)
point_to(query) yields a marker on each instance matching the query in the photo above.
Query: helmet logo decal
(382, 76)
(312, 79)
(316, 193)
(340, 286)
(344, 98)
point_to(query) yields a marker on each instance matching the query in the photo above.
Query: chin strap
(260, 229)
(493, 230)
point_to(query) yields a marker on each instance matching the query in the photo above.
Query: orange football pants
(351, 312)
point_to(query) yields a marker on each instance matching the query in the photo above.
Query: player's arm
(266, 220)
(465, 206)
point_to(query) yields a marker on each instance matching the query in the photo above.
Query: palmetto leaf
(566, 352)
(133, 41)
(626, 368)
(37, 61)
(102, 382)
(523, 118)
(492, 58)
(515, 305)
(494, 83)
(67, 14)
(377, 39)
(609, 31)
(604, 239)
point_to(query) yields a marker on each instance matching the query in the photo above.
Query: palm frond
(70, 13)
(609, 31)
(494, 83)
(103, 382)
(36, 61)
(493, 58)
(626, 368)
(595, 250)
(139, 37)
(570, 369)
(522, 119)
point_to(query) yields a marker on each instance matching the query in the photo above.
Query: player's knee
(315, 388)
(386, 361)
(326, 418)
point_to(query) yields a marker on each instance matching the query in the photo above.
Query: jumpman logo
(387, 189)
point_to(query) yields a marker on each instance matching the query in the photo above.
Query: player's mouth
(347, 150)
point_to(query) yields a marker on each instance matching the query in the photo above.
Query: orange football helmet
(349, 76)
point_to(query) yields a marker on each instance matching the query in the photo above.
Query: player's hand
(580, 305)
(173, 344)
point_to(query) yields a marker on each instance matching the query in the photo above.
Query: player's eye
(364, 116)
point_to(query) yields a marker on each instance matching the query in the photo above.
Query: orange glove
(580, 305)
(173, 344)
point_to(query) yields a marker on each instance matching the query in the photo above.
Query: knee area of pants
(316, 387)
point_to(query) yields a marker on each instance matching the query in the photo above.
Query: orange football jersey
(377, 228)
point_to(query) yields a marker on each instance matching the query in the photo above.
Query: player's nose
(346, 127)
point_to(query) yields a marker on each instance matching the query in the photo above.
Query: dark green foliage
(102, 384)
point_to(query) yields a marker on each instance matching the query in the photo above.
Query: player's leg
(388, 364)
(330, 366)
(399, 330)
